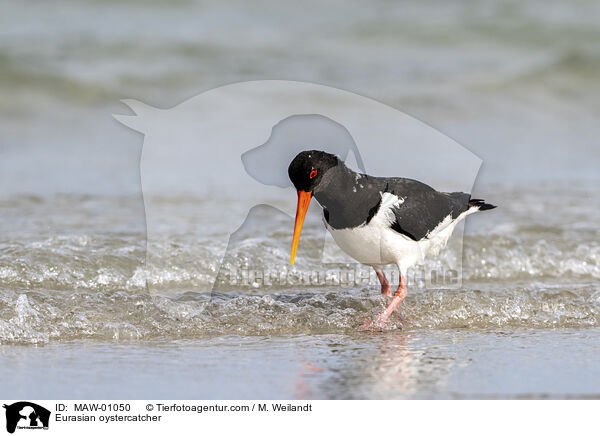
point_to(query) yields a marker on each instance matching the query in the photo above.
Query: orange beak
(303, 202)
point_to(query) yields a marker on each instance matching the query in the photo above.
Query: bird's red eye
(313, 174)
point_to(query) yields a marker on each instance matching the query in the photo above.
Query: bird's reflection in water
(306, 378)
(393, 365)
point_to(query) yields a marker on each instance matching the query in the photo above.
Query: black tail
(481, 204)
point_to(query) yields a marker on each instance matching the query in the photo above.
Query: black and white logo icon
(26, 415)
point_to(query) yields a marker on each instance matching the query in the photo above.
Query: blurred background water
(517, 83)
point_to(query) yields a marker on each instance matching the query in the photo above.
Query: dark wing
(423, 207)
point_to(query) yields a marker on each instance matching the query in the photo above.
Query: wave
(504, 257)
(521, 267)
(36, 317)
(116, 262)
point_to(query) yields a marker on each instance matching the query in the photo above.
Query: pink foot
(399, 295)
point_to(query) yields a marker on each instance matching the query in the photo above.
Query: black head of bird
(308, 172)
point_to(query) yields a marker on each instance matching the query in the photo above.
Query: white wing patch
(388, 202)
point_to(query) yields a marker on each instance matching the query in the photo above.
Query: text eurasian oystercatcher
(377, 220)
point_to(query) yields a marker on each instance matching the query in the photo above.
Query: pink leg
(399, 295)
(385, 285)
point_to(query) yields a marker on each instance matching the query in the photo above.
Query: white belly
(376, 246)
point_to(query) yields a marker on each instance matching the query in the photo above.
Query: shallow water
(520, 269)
(421, 364)
(79, 301)
(85, 297)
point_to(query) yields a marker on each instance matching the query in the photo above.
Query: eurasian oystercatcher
(378, 220)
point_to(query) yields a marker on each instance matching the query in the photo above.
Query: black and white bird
(378, 220)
